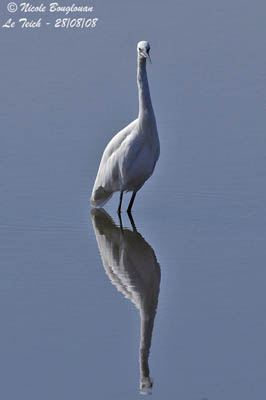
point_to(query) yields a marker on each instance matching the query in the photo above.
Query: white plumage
(132, 266)
(130, 157)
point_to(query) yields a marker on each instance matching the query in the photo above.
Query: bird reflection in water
(131, 265)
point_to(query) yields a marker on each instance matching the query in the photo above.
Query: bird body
(132, 267)
(130, 157)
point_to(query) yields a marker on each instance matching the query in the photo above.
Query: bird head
(143, 49)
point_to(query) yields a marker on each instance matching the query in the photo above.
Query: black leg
(131, 202)
(132, 222)
(120, 203)
(121, 222)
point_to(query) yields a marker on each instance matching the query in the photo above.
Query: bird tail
(100, 196)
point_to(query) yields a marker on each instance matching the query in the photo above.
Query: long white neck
(145, 105)
(147, 321)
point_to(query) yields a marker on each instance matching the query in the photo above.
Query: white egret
(130, 157)
(132, 266)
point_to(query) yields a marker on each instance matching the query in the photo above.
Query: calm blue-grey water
(74, 288)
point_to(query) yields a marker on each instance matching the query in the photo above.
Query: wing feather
(108, 179)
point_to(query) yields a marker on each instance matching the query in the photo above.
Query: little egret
(132, 267)
(130, 157)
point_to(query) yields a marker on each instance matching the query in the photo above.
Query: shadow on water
(132, 267)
